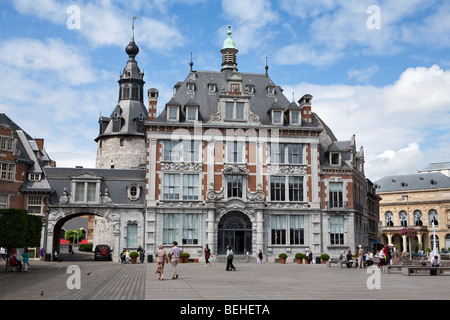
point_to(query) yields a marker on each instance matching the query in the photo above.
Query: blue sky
(379, 69)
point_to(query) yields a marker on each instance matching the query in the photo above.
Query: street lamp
(407, 221)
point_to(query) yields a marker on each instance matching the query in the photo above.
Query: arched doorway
(235, 229)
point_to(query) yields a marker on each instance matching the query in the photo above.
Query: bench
(337, 261)
(406, 271)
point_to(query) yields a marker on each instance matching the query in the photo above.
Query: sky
(377, 69)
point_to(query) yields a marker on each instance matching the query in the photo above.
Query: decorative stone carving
(211, 194)
(106, 199)
(65, 197)
(216, 116)
(258, 195)
(287, 169)
(235, 169)
(253, 118)
(181, 166)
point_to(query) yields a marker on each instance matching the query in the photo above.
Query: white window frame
(191, 109)
(84, 198)
(7, 171)
(297, 113)
(237, 150)
(34, 202)
(234, 116)
(169, 113)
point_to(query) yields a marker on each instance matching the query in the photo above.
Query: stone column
(259, 231)
(405, 244)
(210, 230)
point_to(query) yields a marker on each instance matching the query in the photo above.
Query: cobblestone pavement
(270, 281)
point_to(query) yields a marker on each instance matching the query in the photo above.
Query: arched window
(403, 218)
(418, 218)
(389, 219)
(433, 217)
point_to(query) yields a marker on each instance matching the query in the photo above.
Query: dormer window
(271, 91)
(234, 110)
(191, 113)
(34, 177)
(212, 88)
(335, 159)
(172, 113)
(295, 117)
(235, 88)
(191, 88)
(277, 117)
(133, 192)
(250, 89)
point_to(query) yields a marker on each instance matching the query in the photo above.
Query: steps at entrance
(238, 258)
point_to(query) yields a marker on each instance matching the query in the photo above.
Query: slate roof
(260, 101)
(115, 180)
(419, 181)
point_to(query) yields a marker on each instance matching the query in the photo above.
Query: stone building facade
(417, 201)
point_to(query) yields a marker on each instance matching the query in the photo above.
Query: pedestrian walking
(309, 256)
(26, 260)
(230, 258)
(161, 258)
(175, 256)
(361, 257)
(208, 254)
(3, 253)
(41, 254)
(127, 256)
(260, 257)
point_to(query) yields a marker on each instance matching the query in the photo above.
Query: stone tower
(121, 139)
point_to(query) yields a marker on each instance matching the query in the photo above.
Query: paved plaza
(269, 281)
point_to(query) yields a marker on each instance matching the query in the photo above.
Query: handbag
(230, 256)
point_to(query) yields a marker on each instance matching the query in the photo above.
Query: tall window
(6, 143)
(170, 228)
(172, 150)
(297, 230)
(278, 229)
(234, 186)
(235, 151)
(190, 229)
(7, 171)
(335, 195)
(389, 219)
(403, 219)
(433, 215)
(190, 187)
(418, 218)
(3, 201)
(190, 152)
(277, 117)
(132, 235)
(277, 188)
(336, 230)
(291, 153)
(34, 205)
(85, 191)
(234, 110)
(171, 186)
(295, 188)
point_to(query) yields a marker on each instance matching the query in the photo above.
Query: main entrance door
(235, 229)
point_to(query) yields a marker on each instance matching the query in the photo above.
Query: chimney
(40, 143)
(305, 105)
(152, 101)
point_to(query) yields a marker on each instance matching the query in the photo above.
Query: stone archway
(57, 216)
(235, 229)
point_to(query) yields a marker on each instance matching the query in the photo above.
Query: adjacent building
(418, 201)
(23, 184)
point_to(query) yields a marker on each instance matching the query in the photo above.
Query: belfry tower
(121, 140)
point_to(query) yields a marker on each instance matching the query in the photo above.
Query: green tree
(18, 229)
(74, 235)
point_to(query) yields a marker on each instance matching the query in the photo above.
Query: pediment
(86, 175)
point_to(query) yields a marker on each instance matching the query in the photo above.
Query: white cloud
(393, 122)
(104, 23)
(48, 58)
(362, 75)
(250, 20)
(303, 54)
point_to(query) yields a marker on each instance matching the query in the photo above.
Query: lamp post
(407, 221)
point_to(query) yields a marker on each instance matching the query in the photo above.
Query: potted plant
(186, 257)
(324, 257)
(283, 257)
(300, 257)
(133, 256)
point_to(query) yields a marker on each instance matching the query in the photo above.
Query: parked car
(102, 252)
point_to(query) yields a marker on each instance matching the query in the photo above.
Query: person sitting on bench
(15, 263)
(435, 262)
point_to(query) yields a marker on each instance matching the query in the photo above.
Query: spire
(132, 49)
(267, 69)
(229, 52)
(191, 63)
